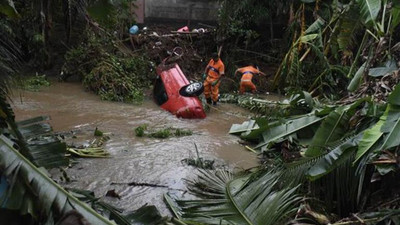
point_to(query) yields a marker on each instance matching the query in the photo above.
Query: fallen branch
(136, 184)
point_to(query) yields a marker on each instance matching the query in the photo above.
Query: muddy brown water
(135, 159)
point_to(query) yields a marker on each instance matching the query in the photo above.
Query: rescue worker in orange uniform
(212, 75)
(247, 74)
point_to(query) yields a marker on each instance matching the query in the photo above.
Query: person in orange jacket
(212, 76)
(247, 74)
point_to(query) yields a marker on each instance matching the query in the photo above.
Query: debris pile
(187, 48)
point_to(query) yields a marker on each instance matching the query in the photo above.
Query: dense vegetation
(330, 152)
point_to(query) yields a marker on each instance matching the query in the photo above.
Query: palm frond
(9, 61)
(31, 191)
(246, 200)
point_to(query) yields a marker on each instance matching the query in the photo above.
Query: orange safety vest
(248, 73)
(215, 69)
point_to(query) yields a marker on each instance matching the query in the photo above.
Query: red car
(174, 93)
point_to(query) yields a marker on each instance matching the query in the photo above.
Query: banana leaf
(349, 27)
(32, 192)
(391, 128)
(8, 8)
(32, 120)
(355, 82)
(316, 26)
(394, 97)
(390, 67)
(334, 158)
(252, 201)
(47, 150)
(395, 15)
(288, 128)
(145, 215)
(369, 10)
(245, 126)
(371, 137)
(334, 127)
(256, 134)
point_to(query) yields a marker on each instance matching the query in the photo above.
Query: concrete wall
(202, 10)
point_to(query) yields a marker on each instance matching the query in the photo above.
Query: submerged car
(174, 93)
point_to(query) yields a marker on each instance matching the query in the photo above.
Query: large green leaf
(334, 127)
(395, 15)
(391, 128)
(334, 158)
(308, 38)
(394, 97)
(348, 28)
(248, 200)
(256, 134)
(316, 26)
(145, 215)
(369, 10)
(8, 8)
(355, 82)
(46, 149)
(288, 127)
(371, 137)
(32, 192)
(390, 67)
(245, 126)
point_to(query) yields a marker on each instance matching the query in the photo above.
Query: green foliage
(117, 79)
(142, 131)
(313, 64)
(33, 192)
(98, 133)
(163, 133)
(298, 103)
(341, 147)
(114, 15)
(241, 200)
(79, 61)
(199, 162)
(369, 11)
(113, 77)
(36, 82)
(182, 132)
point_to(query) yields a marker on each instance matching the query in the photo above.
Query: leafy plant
(243, 200)
(36, 82)
(32, 192)
(142, 131)
(199, 162)
(98, 133)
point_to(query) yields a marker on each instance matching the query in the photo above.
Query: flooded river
(135, 159)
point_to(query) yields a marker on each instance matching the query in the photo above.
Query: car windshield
(160, 95)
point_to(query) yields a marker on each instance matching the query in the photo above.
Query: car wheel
(193, 89)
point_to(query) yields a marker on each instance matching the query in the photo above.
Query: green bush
(140, 130)
(34, 83)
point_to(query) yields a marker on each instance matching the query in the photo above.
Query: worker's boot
(208, 100)
(214, 103)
